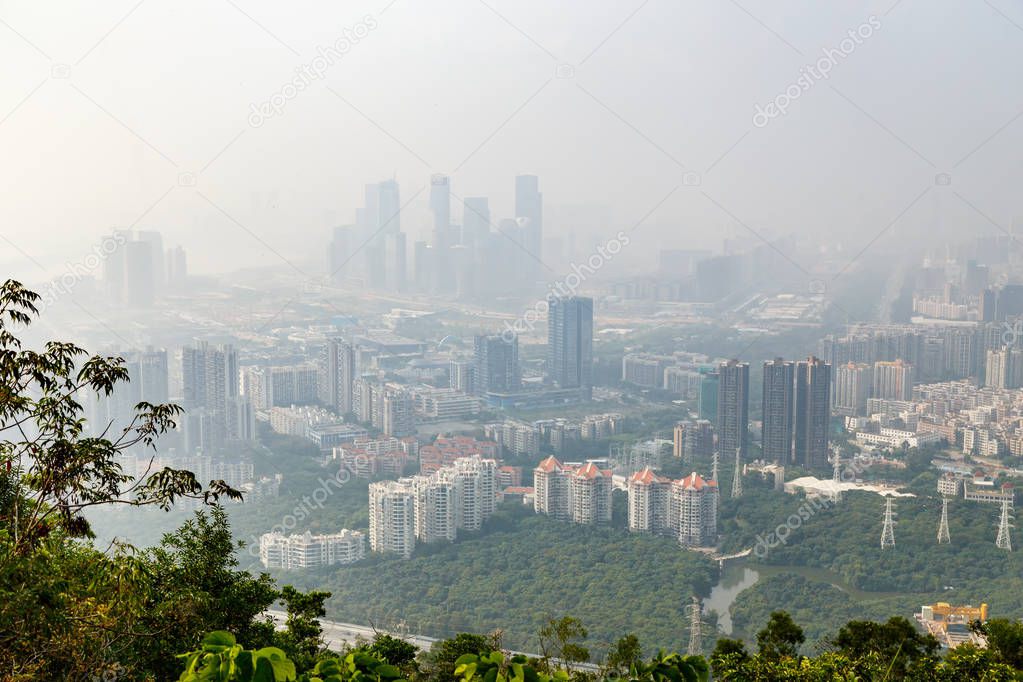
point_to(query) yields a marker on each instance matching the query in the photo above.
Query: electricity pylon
(695, 629)
(888, 531)
(737, 476)
(943, 537)
(1004, 540)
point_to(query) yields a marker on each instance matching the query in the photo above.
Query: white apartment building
(697, 502)
(650, 502)
(392, 526)
(581, 493)
(306, 550)
(461, 496)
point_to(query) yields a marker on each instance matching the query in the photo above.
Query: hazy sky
(105, 108)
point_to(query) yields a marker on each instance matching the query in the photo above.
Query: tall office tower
(339, 376)
(392, 516)
(893, 380)
(779, 383)
(853, 382)
(694, 440)
(155, 242)
(813, 412)
(138, 274)
(395, 259)
(476, 224)
(529, 208)
(696, 500)
(422, 266)
(708, 408)
(341, 252)
(177, 268)
(570, 343)
(497, 364)
(462, 376)
(440, 205)
(733, 408)
(114, 265)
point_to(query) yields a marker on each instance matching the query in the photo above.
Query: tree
(897, 641)
(1004, 638)
(302, 637)
(221, 659)
(439, 662)
(67, 610)
(622, 655)
(781, 637)
(727, 654)
(559, 639)
(397, 652)
(56, 472)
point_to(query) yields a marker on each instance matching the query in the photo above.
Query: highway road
(336, 635)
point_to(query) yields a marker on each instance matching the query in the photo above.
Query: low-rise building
(306, 550)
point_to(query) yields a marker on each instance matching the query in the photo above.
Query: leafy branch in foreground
(51, 472)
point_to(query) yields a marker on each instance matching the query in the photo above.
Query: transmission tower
(943, 537)
(737, 476)
(888, 532)
(837, 474)
(714, 468)
(695, 629)
(1004, 540)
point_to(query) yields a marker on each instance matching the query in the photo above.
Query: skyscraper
(779, 378)
(209, 386)
(440, 205)
(529, 209)
(496, 361)
(570, 343)
(733, 408)
(813, 412)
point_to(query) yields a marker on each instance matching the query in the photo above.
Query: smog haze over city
(575, 331)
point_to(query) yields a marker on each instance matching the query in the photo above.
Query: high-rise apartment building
(434, 507)
(579, 493)
(392, 519)
(733, 409)
(696, 500)
(893, 380)
(812, 413)
(694, 440)
(853, 383)
(570, 343)
(650, 503)
(778, 404)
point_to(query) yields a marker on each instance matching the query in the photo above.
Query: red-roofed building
(685, 509)
(582, 494)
